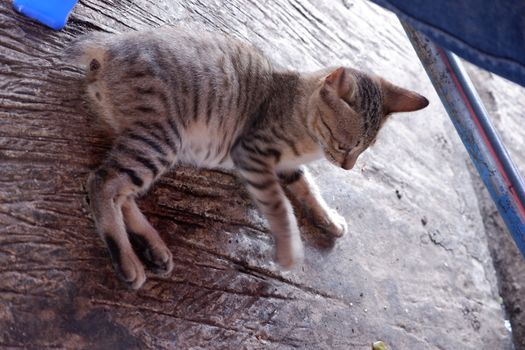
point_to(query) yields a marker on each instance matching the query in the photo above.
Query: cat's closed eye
(343, 148)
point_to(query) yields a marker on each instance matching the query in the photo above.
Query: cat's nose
(348, 162)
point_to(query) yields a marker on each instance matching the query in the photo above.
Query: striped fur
(175, 97)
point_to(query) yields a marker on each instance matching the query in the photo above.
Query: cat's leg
(301, 185)
(145, 240)
(109, 188)
(272, 202)
(130, 169)
(263, 184)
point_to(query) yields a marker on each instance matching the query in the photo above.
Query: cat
(179, 96)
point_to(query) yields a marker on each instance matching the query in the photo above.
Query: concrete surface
(415, 270)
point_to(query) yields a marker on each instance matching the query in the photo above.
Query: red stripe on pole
(474, 117)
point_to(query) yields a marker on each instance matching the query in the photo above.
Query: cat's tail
(89, 51)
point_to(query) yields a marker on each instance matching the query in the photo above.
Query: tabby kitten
(174, 96)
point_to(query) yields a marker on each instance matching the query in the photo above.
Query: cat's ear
(397, 99)
(340, 81)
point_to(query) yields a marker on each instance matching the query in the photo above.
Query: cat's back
(193, 48)
(197, 75)
(201, 86)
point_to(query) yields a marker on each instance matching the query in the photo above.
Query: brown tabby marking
(174, 97)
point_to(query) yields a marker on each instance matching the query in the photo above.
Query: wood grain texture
(391, 279)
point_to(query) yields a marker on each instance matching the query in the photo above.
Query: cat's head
(349, 109)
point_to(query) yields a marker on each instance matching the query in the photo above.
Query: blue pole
(475, 129)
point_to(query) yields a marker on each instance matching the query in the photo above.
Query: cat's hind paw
(156, 255)
(159, 260)
(127, 265)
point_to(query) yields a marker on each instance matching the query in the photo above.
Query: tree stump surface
(414, 271)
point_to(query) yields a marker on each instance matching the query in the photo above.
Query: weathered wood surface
(414, 270)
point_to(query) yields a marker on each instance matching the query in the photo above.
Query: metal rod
(501, 154)
(475, 129)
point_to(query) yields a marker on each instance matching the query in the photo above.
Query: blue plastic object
(52, 13)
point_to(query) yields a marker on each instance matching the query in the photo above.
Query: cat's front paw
(289, 252)
(332, 223)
